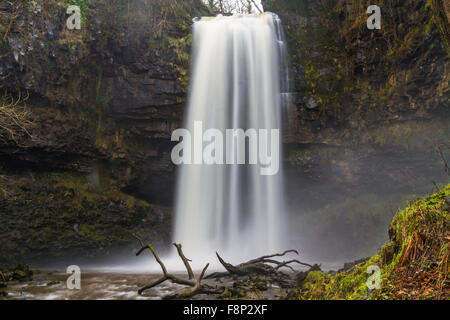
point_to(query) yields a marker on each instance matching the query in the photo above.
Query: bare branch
(260, 265)
(185, 261)
(271, 256)
(285, 264)
(154, 284)
(150, 247)
(138, 239)
(257, 7)
(203, 273)
(196, 285)
(229, 267)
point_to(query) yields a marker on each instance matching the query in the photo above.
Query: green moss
(315, 284)
(417, 247)
(350, 71)
(380, 141)
(299, 7)
(429, 215)
(442, 22)
(300, 157)
(66, 214)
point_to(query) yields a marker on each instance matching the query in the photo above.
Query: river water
(52, 285)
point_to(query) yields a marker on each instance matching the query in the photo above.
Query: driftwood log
(197, 287)
(265, 266)
(261, 265)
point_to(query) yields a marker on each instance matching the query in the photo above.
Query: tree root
(261, 265)
(264, 266)
(197, 287)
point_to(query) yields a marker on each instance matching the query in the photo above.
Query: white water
(237, 82)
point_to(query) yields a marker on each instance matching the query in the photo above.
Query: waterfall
(238, 80)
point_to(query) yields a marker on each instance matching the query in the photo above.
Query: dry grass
(15, 118)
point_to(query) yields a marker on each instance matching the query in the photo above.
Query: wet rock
(350, 265)
(21, 273)
(301, 276)
(261, 285)
(101, 99)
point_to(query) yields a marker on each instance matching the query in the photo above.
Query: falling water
(238, 80)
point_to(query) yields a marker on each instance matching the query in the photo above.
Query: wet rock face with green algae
(104, 100)
(370, 108)
(68, 216)
(354, 87)
(112, 91)
(347, 78)
(413, 265)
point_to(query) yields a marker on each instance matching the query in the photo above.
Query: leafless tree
(234, 6)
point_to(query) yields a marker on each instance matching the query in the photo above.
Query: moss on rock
(414, 264)
(59, 215)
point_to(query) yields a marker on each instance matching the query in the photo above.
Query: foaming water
(148, 265)
(238, 77)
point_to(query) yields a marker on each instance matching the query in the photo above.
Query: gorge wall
(104, 101)
(369, 109)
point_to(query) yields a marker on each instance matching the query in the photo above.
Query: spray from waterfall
(239, 81)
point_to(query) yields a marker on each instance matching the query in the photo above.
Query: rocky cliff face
(369, 107)
(104, 101)
(369, 110)
(347, 78)
(112, 91)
